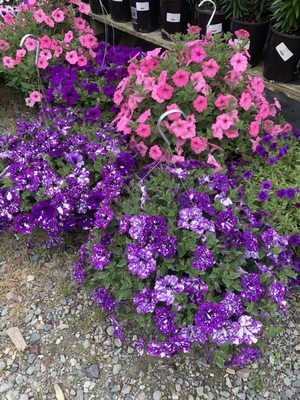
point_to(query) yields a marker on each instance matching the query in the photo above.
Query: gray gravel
(70, 343)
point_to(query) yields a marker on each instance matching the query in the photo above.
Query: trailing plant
(224, 107)
(286, 16)
(56, 171)
(181, 260)
(63, 37)
(271, 181)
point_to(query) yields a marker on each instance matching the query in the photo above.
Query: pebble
(116, 388)
(24, 397)
(126, 389)
(92, 371)
(157, 395)
(35, 337)
(243, 373)
(4, 387)
(79, 394)
(117, 368)
(2, 365)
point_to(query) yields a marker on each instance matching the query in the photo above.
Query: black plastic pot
(96, 7)
(174, 16)
(282, 56)
(120, 10)
(218, 24)
(258, 36)
(145, 15)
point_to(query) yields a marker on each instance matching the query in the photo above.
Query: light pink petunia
(239, 62)
(198, 54)
(72, 57)
(58, 15)
(155, 153)
(8, 62)
(143, 130)
(200, 103)
(210, 68)
(246, 101)
(198, 144)
(225, 121)
(180, 78)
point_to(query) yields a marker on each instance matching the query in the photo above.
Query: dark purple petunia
(266, 185)
(93, 114)
(262, 196)
(70, 95)
(290, 193)
(280, 193)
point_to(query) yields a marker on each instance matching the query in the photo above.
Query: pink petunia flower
(43, 63)
(178, 128)
(198, 144)
(3, 45)
(143, 130)
(165, 91)
(177, 158)
(30, 44)
(58, 51)
(20, 53)
(29, 102)
(189, 130)
(35, 96)
(83, 8)
(180, 78)
(89, 41)
(48, 21)
(82, 60)
(193, 29)
(254, 128)
(223, 101)
(210, 68)
(155, 153)
(79, 24)
(144, 116)
(8, 19)
(217, 131)
(68, 37)
(8, 62)
(198, 54)
(225, 121)
(72, 57)
(141, 148)
(200, 84)
(246, 101)
(176, 115)
(232, 134)
(200, 103)
(255, 143)
(242, 34)
(46, 53)
(239, 62)
(58, 15)
(45, 42)
(211, 160)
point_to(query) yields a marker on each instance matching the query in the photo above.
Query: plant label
(284, 52)
(171, 17)
(133, 13)
(215, 28)
(119, 1)
(142, 6)
(239, 43)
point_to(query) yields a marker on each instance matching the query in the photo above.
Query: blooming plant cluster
(270, 181)
(90, 85)
(57, 170)
(185, 259)
(225, 109)
(64, 36)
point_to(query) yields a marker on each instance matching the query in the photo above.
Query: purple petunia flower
(140, 261)
(246, 356)
(165, 321)
(92, 114)
(247, 174)
(102, 298)
(117, 328)
(226, 221)
(294, 240)
(203, 258)
(290, 193)
(166, 246)
(100, 257)
(280, 193)
(167, 287)
(78, 272)
(209, 317)
(145, 301)
(232, 305)
(252, 288)
(262, 196)
(103, 217)
(266, 185)
(277, 293)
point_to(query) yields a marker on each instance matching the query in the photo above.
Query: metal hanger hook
(37, 52)
(213, 13)
(160, 120)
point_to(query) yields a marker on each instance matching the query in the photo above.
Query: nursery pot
(144, 15)
(218, 24)
(174, 15)
(282, 56)
(258, 36)
(120, 10)
(96, 6)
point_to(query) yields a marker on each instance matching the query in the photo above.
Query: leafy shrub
(181, 258)
(249, 10)
(225, 108)
(57, 170)
(286, 16)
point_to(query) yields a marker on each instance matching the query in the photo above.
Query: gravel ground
(71, 353)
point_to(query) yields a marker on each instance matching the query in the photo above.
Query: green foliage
(248, 10)
(286, 16)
